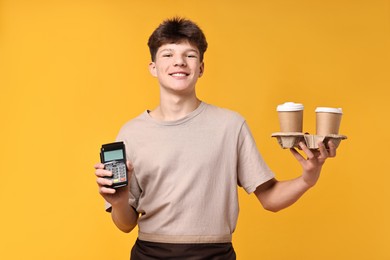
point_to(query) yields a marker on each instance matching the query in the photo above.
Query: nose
(180, 61)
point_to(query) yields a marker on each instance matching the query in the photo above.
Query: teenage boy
(186, 159)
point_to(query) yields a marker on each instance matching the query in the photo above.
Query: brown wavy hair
(177, 30)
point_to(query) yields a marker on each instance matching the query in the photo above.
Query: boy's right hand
(112, 196)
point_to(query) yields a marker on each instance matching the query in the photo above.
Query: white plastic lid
(289, 106)
(329, 110)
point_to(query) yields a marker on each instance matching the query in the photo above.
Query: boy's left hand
(315, 159)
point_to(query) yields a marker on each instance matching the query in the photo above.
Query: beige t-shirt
(186, 174)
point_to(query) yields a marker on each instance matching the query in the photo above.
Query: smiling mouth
(179, 74)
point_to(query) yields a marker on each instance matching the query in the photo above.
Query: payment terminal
(113, 156)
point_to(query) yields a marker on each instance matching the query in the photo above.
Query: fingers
(104, 182)
(99, 166)
(323, 151)
(100, 171)
(105, 190)
(332, 149)
(104, 185)
(309, 153)
(297, 155)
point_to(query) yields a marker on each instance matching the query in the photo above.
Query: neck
(172, 108)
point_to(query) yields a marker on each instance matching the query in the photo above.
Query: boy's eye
(167, 55)
(191, 56)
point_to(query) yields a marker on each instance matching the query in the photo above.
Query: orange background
(72, 72)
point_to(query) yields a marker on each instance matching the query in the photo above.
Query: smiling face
(177, 67)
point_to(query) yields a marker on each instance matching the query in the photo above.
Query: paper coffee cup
(328, 120)
(290, 117)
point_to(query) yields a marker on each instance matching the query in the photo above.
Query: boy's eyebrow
(166, 50)
(187, 50)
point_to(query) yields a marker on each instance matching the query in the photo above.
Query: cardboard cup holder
(292, 139)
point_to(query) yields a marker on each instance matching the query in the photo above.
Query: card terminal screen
(113, 155)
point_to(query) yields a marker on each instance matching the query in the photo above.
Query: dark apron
(144, 250)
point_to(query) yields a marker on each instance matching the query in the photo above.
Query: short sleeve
(252, 170)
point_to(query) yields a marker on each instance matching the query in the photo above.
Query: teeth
(179, 74)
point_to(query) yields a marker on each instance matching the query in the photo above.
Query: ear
(152, 69)
(201, 69)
